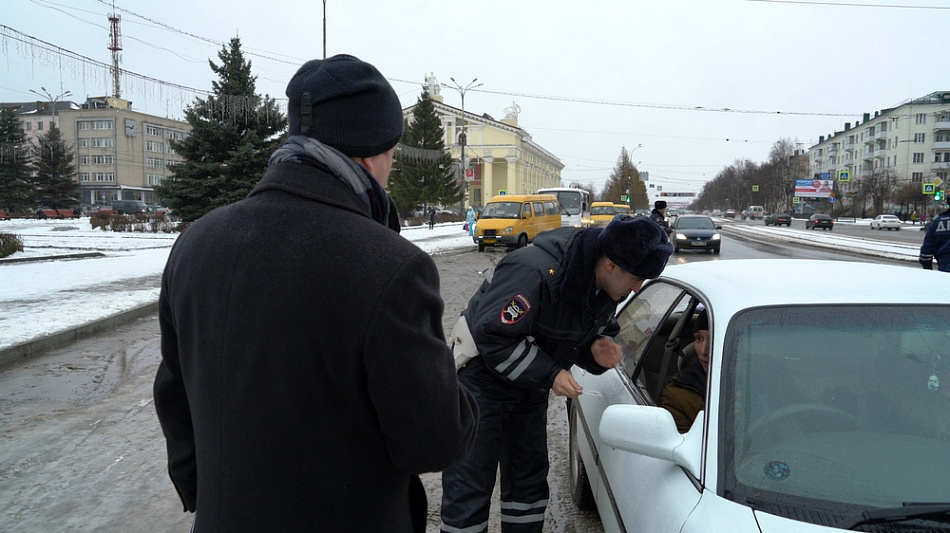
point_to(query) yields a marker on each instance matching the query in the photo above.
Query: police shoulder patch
(515, 309)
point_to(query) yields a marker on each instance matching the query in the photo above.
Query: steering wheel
(781, 418)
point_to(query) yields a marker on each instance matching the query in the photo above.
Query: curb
(24, 350)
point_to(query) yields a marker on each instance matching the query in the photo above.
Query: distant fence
(845, 219)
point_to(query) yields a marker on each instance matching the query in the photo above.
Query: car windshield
(502, 210)
(602, 210)
(836, 409)
(695, 223)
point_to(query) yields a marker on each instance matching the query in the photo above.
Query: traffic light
(938, 195)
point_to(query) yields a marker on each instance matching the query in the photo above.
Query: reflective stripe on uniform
(470, 529)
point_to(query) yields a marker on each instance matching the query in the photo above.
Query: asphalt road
(81, 448)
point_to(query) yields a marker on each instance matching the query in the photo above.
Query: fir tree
(17, 192)
(54, 176)
(233, 133)
(624, 180)
(423, 174)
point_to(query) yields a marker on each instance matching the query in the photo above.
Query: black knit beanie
(637, 244)
(344, 103)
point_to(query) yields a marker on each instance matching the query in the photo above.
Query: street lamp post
(52, 99)
(463, 136)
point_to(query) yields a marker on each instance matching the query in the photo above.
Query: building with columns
(502, 158)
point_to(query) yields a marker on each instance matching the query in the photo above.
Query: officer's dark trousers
(512, 434)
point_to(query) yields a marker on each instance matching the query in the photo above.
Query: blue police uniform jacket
(525, 329)
(937, 243)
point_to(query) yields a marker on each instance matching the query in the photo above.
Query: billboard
(814, 188)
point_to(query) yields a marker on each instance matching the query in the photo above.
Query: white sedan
(827, 405)
(887, 222)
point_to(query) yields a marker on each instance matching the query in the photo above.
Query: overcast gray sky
(697, 83)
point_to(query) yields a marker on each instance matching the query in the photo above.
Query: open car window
(643, 321)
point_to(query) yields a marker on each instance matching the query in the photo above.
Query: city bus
(575, 205)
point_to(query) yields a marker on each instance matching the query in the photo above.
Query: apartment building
(120, 153)
(909, 143)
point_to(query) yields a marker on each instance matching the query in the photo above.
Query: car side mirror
(651, 431)
(718, 227)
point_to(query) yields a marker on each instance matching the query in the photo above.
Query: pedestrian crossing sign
(929, 188)
(844, 175)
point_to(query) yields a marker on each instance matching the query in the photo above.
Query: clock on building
(131, 128)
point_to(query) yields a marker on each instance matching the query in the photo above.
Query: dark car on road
(778, 219)
(695, 232)
(820, 220)
(730, 213)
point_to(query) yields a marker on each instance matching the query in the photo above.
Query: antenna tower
(115, 45)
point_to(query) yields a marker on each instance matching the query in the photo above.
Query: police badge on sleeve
(516, 309)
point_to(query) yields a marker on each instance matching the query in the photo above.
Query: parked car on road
(888, 222)
(777, 219)
(826, 406)
(695, 232)
(820, 220)
(129, 207)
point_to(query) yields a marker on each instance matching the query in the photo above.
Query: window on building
(39, 125)
(153, 146)
(83, 176)
(82, 124)
(82, 142)
(102, 142)
(103, 176)
(27, 126)
(154, 179)
(154, 162)
(918, 157)
(153, 130)
(919, 137)
(921, 118)
(917, 177)
(83, 160)
(103, 160)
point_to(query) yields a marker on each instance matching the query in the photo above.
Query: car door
(634, 492)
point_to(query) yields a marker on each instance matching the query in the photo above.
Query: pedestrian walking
(936, 245)
(470, 220)
(543, 309)
(305, 380)
(431, 217)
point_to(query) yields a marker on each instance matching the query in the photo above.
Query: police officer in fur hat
(658, 215)
(541, 310)
(305, 380)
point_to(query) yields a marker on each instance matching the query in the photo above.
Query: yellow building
(502, 157)
(120, 153)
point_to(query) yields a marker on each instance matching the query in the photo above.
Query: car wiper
(908, 511)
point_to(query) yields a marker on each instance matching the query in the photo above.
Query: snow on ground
(39, 298)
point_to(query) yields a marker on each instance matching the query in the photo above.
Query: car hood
(697, 232)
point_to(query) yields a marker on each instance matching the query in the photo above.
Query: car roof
(736, 284)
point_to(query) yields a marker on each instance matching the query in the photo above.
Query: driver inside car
(685, 396)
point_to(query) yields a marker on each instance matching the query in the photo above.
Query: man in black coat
(305, 379)
(658, 215)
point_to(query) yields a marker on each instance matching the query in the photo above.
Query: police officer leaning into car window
(543, 309)
(937, 242)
